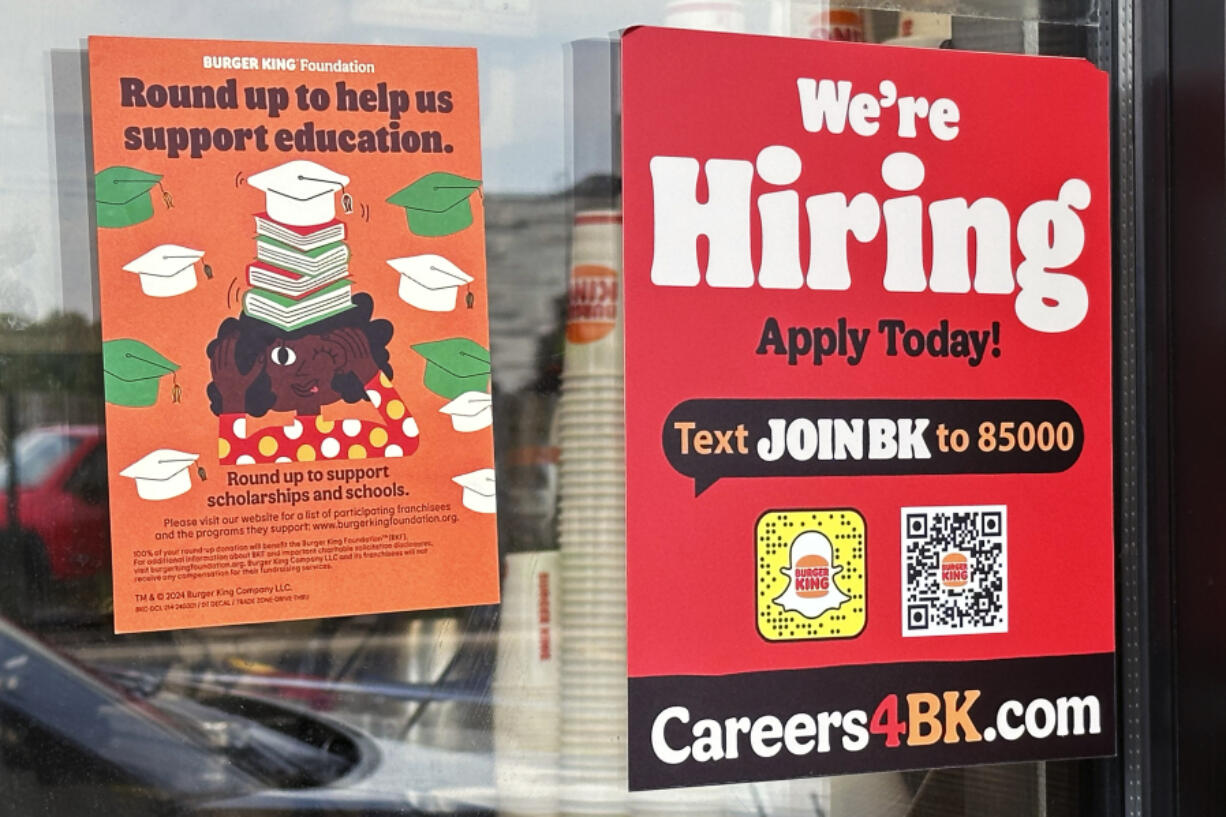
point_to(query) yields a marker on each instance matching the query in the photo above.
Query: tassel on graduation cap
(347, 202)
(208, 271)
(176, 391)
(469, 298)
(167, 199)
(200, 472)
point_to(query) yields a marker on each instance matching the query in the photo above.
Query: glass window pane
(436, 712)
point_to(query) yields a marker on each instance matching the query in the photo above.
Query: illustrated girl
(258, 367)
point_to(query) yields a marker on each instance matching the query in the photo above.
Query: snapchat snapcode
(811, 578)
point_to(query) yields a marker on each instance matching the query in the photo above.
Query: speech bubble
(710, 439)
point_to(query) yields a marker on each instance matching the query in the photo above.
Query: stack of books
(300, 275)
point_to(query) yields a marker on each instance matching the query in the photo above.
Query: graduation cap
(161, 474)
(429, 282)
(471, 411)
(478, 490)
(131, 371)
(166, 270)
(437, 203)
(300, 193)
(122, 196)
(454, 366)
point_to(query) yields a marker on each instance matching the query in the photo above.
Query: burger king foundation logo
(810, 574)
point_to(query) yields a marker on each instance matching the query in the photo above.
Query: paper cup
(592, 510)
(598, 567)
(593, 319)
(582, 606)
(591, 412)
(576, 492)
(606, 558)
(599, 456)
(614, 456)
(588, 422)
(592, 470)
(589, 574)
(606, 737)
(596, 544)
(591, 539)
(583, 479)
(594, 796)
(579, 604)
(597, 556)
(582, 601)
(587, 688)
(605, 407)
(596, 772)
(578, 524)
(582, 518)
(596, 615)
(609, 641)
(593, 534)
(581, 768)
(598, 536)
(612, 667)
(706, 15)
(593, 389)
(588, 434)
(573, 383)
(589, 472)
(590, 388)
(587, 693)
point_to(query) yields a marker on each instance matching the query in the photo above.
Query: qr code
(954, 570)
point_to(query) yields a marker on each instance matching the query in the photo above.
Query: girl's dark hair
(256, 337)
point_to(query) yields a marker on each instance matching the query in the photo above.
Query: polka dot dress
(308, 439)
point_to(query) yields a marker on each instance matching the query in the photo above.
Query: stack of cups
(526, 683)
(525, 688)
(592, 526)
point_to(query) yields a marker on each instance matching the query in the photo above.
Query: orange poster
(291, 259)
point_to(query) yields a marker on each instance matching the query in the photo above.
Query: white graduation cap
(478, 490)
(300, 193)
(471, 411)
(161, 474)
(429, 282)
(166, 270)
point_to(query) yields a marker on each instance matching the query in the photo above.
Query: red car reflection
(61, 502)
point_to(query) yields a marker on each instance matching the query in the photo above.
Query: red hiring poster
(868, 406)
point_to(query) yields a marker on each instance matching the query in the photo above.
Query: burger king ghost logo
(811, 590)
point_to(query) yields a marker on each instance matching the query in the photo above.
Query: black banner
(704, 730)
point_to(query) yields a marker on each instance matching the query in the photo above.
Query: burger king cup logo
(955, 569)
(592, 308)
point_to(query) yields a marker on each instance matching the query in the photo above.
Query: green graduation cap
(131, 370)
(122, 196)
(437, 203)
(454, 366)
